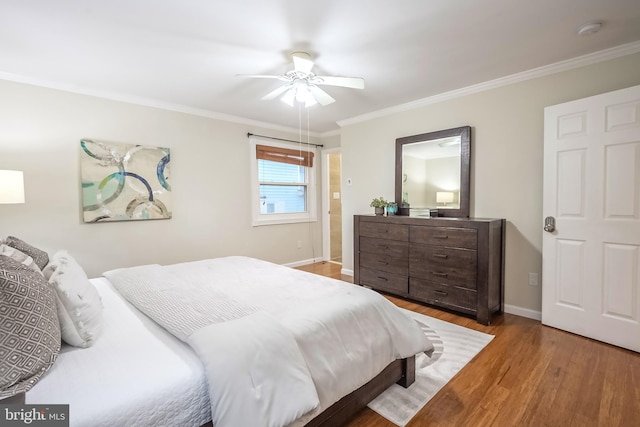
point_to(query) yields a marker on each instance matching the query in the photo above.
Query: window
(283, 180)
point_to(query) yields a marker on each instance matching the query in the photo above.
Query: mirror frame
(465, 160)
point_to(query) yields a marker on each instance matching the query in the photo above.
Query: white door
(591, 261)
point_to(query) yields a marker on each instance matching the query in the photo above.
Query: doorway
(332, 205)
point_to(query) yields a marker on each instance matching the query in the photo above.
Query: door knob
(549, 224)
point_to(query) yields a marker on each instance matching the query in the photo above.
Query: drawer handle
(435, 273)
(384, 247)
(443, 256)
(383, 262)
(383, 278)
(441, 237)
(440, 292)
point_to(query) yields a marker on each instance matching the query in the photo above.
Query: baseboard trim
(524, 312)
(346, 272)
(303, 262)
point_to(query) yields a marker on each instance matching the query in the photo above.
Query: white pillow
(19, 256)
(78, 302)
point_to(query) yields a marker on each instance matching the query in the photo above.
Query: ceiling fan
(302, 85)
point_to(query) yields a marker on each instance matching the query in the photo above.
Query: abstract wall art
(124, 182)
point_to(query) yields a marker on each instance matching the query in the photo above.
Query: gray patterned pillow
(39, 256)
(29, 327)
(19, 256)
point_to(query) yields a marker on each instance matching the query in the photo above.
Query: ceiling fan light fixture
(304, 96)
(289, 97)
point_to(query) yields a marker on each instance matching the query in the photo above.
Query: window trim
(258, 219)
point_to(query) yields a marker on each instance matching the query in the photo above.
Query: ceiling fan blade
(276, 93)
(351, 82)
(289, 97)
(264, 76)
(321, 96)
(302, 62)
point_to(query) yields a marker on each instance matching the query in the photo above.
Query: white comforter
(296, 341)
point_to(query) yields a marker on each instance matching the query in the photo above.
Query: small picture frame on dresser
(433, 213)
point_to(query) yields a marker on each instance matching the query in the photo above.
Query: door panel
(570, 289)
(571, 166)
(622, 189)
(591, 262)
(621, 281)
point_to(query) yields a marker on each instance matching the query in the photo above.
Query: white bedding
(346, 334)
(136, 374)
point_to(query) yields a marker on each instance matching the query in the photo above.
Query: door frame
(326, 199)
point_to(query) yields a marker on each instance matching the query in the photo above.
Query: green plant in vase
(379, 204)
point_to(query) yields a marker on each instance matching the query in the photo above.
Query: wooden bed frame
(400, 371)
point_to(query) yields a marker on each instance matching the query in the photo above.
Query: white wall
(506, 169)
(40, 131)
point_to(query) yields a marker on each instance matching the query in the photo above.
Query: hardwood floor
(529, 375)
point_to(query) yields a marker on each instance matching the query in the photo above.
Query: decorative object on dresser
(453, 263)
(379, 204)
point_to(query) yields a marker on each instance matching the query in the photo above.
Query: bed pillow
(29, 327)
(79, 305)
(19, 256)
(39, 256)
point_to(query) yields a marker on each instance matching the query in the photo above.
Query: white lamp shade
(444, 197)
(11, 187)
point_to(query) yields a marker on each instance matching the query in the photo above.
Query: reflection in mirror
(432, 172)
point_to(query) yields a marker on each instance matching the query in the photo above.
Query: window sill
(277, 221)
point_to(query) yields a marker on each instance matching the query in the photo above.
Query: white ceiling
(186, 54)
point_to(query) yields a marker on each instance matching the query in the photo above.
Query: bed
(150, 366)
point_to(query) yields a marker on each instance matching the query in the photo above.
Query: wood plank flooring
(529, 375)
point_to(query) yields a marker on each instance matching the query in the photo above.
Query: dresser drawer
(445, 236)
(385, 263)
(381, 230)
(441, 264)
(390, 248)
(384, 281)
(443, 295)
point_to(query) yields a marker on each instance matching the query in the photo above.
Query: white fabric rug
(454, 346)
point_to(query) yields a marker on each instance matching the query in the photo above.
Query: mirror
(432, 172)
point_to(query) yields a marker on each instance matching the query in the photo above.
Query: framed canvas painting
(124, 182)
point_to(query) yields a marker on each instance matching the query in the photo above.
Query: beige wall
(506, 170)
(40, 131)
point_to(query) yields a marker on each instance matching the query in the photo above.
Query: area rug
(454, 346)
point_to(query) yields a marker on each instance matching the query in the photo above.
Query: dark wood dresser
(454, 263)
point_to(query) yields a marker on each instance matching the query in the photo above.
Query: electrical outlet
(533, 279)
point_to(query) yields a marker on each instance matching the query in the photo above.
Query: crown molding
(569, 64)
(330, 133)
(147, 102)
